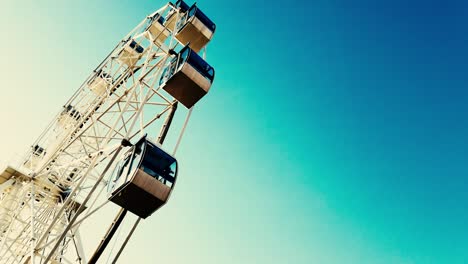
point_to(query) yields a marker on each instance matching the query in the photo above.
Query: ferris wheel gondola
(144, 179)
(100, 83)
(188, 77)
(131, 53)
(179, 8)
(195, 27)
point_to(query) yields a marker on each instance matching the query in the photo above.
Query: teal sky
(335, 131)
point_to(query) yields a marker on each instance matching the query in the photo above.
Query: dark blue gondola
(188, 77)
(182, 6)
(195, 27)
(144, 179)
(71, 111)
(131, 53)
(100, 83)
(171, 18)
(38, 150)
(69, 116)
(157, 29)
(161, 26)
(37, 153)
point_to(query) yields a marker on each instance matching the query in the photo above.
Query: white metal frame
(38, 225)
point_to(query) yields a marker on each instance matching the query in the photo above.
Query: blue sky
(335, 131)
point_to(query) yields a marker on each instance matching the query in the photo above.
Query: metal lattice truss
(57, 187)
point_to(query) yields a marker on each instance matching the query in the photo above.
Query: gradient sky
(335, 131)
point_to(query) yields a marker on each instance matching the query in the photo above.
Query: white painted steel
(44, 207)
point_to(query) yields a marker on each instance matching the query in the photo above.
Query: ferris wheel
(105, 147)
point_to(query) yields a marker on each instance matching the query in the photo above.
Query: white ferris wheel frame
(85, 145)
